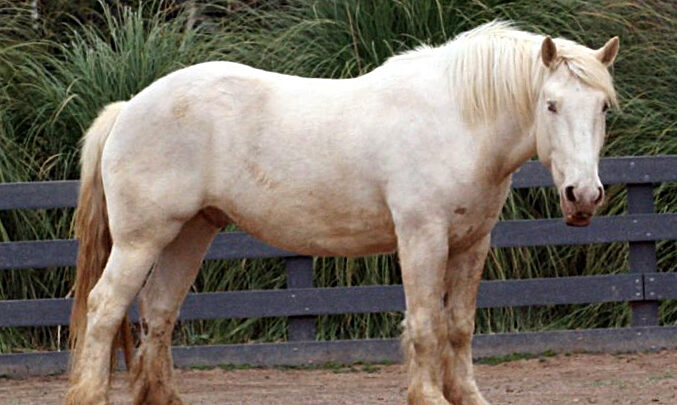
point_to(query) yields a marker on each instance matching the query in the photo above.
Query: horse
(414, 156)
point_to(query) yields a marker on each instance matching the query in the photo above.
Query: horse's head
(570, 122)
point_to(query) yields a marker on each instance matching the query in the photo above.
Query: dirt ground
(632, 379)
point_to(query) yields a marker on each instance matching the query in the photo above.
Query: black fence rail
(643, 287)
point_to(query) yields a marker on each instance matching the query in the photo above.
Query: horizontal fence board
(615, 170)
(39, 194)
(583, 341)
(293, 302)
(32, 364)
(344, 300)
(622, 228)
(292, 354)
(38, 254)
(234, 245)
(373, 350)
(53, 253)
(660, 286)
(35, 312)
(562, 290)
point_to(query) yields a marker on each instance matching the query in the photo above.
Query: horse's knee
(424, 325)
(460, 326)
(460, 331)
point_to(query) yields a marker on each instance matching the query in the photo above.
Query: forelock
(583, 64)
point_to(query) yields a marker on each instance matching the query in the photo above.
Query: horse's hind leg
(159, 303)
(123, 276)
(464, 271)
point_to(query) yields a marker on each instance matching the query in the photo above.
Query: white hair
(496, 66)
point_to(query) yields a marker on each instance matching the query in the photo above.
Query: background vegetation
(58, 70)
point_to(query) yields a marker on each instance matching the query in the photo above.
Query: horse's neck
(506, 146)
(503, 144)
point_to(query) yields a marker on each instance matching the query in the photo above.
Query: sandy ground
(632, 379)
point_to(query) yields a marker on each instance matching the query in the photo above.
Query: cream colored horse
(415, 156)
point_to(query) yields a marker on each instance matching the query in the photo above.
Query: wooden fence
(643, 287)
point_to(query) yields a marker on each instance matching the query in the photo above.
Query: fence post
(300, 275)
(642, 255)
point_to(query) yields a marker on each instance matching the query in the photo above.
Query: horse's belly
(311, 228)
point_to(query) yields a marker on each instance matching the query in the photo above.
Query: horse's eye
(605, 107)
(552, 106)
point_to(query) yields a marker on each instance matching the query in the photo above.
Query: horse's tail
(91, 228)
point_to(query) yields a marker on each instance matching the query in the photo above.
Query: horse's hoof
(427, 398)
(150, 394)
(80, 395)
(473, 399)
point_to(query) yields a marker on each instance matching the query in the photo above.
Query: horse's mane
(495, 66)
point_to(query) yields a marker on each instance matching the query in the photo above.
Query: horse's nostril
(600, 195)
(569, 194)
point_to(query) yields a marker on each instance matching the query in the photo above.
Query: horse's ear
(607, 53)
(548, 51)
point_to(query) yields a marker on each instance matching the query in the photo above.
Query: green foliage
(57, 73)
(508, 358)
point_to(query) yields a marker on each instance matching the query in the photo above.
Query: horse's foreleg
(423, 255)
(107, 304)
(159, 303)
(464, 271)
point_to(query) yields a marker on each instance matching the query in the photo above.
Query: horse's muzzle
(579, 205)
(579, 219)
